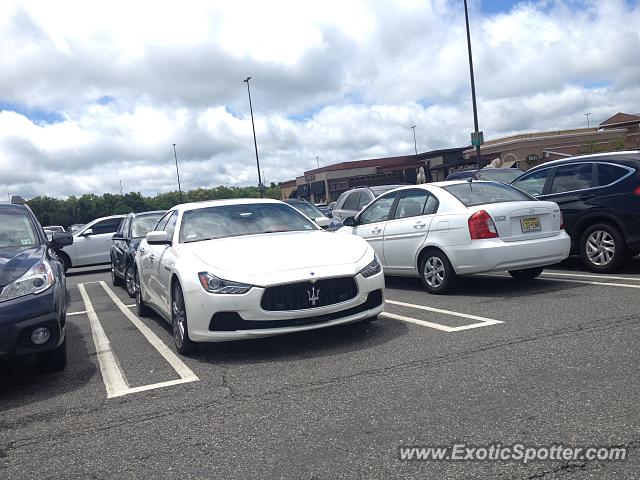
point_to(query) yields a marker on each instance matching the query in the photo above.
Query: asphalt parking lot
(547, 362)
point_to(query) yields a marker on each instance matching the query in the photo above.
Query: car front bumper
(496, 255)
(219, 318)
(20, 316)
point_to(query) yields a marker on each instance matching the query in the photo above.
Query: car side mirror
(329, 214)
(60, 240)
(350, 222)
(158, 238)
(87, 232)
(322, 222)
(118, 236)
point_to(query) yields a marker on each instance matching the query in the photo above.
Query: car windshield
(482, 193)
(16, 230)
(504, 176)
(239, 220)
(144, 224)
(308, 209)
(377, 191)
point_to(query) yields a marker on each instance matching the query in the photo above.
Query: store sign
(533, 158)
(309, 178)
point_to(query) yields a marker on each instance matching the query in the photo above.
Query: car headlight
(213, 284)
(373, 268)
(36, 280)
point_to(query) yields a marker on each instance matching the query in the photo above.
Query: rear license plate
(530, 224)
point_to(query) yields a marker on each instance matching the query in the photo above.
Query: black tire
(116, 281)
(141, 308)
(130, 282)
(54, 360)
(602, 248)
(436, 272)
(66, 262)
(526, 274)
(181, 339)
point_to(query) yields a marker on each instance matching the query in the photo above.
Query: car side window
(364, 199)
(608, 174)
(162, 223)
(569, 178)
(170, 227)
(379, 210)
(122, 228)
(533, 183)
(352, 202)
(412, 203)
(107, 226)
(341, 200)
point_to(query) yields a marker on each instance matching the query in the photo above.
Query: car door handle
(376, 230)
(419, 225)
(152, 256)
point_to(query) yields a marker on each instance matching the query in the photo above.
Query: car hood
(280, 257)
(15, 262)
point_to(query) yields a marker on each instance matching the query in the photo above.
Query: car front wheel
(141, 308)
(183, 343)
(602, 248)
(129, 281)
(436, 272)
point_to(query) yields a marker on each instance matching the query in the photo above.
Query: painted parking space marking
(113, 378)
(584, 275)
(567, 280)
(480, 321)
(71, 314)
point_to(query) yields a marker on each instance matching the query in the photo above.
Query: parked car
(354, 200)
(439, 231)
(52, 228)
(33, 294)
(599, 196)
(315, 214)
(249, 268)
(504, 175)
(126, 240)
(92, 243)
(75, 227)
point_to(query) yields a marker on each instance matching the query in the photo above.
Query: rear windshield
(481, 193)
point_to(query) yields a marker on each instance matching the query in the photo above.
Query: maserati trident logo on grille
(314, 296)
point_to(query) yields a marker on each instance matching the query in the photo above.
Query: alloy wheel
(600, 247)
(130, 282)
(434, 272)
(179, 317)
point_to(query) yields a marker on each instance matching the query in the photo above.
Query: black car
(33, 292)
(131, 232)
(503, 175)
(599, 196)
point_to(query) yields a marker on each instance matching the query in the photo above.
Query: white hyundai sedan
(237, 269)
(439, 231)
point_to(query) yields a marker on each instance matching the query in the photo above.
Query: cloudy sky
(94, 93)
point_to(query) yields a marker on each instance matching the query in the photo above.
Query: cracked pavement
(337, 403)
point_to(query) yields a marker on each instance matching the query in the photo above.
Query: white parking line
(566, 280)
(584, 275)
(185, 373)
(112, 376)
(71, 314)
(482, 321)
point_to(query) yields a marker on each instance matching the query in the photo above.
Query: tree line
(83, 209)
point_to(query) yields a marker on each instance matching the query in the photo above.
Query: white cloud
(341, 80)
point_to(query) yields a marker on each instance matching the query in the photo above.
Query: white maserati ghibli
(236, 269)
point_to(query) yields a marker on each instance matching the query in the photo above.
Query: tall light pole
(318, 160)
(255, 143)
(473, 88)
(175, 154)
(415, 145)
(587, 115)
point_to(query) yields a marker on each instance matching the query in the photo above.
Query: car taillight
(561, 221)
(637, 191)
(481, 226)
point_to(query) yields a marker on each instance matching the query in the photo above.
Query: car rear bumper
(495, 255)
(220, 318)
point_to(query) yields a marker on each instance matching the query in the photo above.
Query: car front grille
(305, 295)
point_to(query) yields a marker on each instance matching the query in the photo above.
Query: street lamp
(473, 88)
(255, 143)
(175, 154)
(415, 145)
(587, 115)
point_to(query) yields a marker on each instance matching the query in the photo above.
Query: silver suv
(352, 201)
